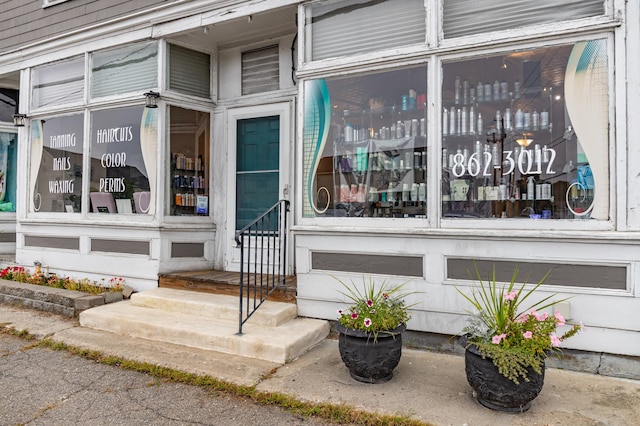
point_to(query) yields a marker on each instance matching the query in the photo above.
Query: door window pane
(365, 145)
(59, 83)
(189, 133)
(257, 168)
(122, 156)
(525, 134)
(56, 164)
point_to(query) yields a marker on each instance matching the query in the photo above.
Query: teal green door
(257, 167)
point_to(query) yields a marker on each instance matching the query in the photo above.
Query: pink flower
(496, 339)
(527, 335)
(559, 319)
(340, 311)
(369, 303)
(511, 295)
(522, 318)
(354, 315)
(544, 316)
(367, 322)
(555, 341)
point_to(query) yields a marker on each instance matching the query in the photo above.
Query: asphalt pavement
(427, 386)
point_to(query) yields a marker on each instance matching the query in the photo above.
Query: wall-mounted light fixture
(19, 120)
(151, 99)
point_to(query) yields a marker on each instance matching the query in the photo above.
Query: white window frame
(436, 50)
(48, 3)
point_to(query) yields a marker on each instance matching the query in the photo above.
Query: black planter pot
(495, 391)
(370, 361)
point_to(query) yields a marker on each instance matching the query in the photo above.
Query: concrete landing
(210, 322)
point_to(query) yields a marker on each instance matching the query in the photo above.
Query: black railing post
(240, 243)
(265, 227)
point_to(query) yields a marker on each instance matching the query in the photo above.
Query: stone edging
(55, 300)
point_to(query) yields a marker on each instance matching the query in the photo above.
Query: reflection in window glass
(365, 147)
(189, 71)
(126, 69)
(8, 104)
(122, 156)
(58, 83)
(350, 27)
(525, 134)
(189, 132)
(56, 164)
(462, 17)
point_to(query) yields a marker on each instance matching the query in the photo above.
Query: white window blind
(57, 83)
(464, 17)
(189, 71)
(260, 70)
(126, 69)
(357, 26)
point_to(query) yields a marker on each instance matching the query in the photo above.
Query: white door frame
(284, 110)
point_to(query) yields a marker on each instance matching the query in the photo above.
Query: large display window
(56, 164)
(365, 145)
(525, 134)
(188, 178)
(123, 147)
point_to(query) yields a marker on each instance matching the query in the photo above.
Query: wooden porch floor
(221, 282)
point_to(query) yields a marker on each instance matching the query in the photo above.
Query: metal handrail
(263, 258)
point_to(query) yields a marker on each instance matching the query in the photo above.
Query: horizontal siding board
(24, 22)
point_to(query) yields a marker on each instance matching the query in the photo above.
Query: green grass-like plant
(374, 309)
(510, 328)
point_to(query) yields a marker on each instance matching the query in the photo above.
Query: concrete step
(278, 344)
(213, 306)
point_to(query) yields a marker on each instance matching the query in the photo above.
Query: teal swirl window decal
(587, 96)
(317, 117)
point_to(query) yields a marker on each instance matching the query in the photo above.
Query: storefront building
(414, 138)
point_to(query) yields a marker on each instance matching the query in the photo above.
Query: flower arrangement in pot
(508, 338)
(370, 330)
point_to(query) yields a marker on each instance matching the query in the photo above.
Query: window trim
(49, 3)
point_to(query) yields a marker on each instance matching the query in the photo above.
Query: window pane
(189, 132)
(58, 83)
(260, 70)
(525, 134)
(56, 164)
(355, 26)
(8, 166)
(123, 70)
(463, 17)
(8, 104)
(189, 71)
(365, 148)
(257, 168)
(123, 151)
